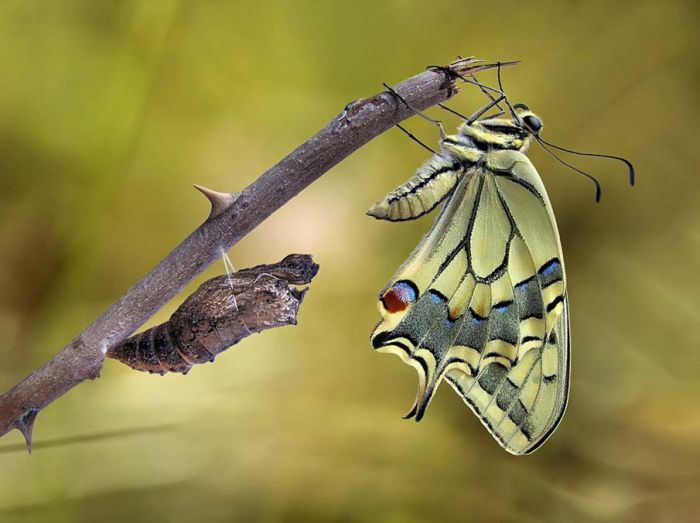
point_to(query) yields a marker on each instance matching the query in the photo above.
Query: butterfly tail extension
(427, 355)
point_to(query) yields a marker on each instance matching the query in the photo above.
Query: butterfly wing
(482, 302)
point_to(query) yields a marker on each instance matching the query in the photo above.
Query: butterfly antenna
(484, 109)
(590, 177)
(629, 165)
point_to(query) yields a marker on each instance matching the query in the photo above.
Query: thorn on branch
(220, 201)
(25, 424)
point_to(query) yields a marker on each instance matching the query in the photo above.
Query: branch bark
(232, 217)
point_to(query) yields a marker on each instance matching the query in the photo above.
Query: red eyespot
(399, 297)
(393, 301)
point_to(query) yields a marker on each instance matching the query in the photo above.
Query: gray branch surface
(233, 216)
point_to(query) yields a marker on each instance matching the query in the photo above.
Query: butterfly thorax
(503, 133)
(495, 134)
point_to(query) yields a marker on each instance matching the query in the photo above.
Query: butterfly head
(505, 133)
(529, 121)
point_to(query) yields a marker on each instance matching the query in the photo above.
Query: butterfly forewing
(482, 302)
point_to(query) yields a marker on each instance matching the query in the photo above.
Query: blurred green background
(109, 111)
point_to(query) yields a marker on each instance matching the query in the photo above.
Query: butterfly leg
(430, 119)
(474, 117)
(470, 78)
(414, 138)
(494, 100)
(450, 110)
(505, 99)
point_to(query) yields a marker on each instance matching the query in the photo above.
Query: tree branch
(232, 217)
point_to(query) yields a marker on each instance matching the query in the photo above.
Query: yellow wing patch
(482, 302)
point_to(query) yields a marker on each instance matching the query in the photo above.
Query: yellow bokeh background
(110, 111)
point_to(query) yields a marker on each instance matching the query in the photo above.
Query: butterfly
(481, 302)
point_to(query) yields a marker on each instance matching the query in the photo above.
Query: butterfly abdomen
(424, 190)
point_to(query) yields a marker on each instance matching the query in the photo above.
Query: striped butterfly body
(481, 301)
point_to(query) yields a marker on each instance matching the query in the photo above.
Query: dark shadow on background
(87, 438)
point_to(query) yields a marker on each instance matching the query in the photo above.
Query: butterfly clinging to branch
(481, 302)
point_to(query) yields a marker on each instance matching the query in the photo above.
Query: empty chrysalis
(221, 312)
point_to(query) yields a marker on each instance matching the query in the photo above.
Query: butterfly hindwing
(482, 302)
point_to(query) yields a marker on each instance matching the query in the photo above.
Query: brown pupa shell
(221, 312)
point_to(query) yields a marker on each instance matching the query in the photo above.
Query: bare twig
(232, 217)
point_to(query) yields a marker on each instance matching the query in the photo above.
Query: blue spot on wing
(501, 306)
(436, 297)
(551, 272)
(475, 317)
(406, 291)
(550, 267)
